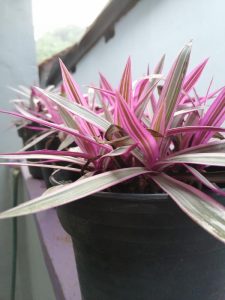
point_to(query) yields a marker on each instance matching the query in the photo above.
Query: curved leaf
(201, 178)
(172, 88)
(178, 130)
(56, 126)
(125, 88)
(202, 209)
(74, 191)
(208, 159)
(78, 110)
(137, 131)
(39, 165)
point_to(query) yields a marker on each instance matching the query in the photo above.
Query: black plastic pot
(142, 247)
(26, 134)
(63, 176)
(51, 143)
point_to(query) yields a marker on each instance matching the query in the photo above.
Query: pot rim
(131, 196)
(162, 197)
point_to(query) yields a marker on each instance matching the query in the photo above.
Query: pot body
(51, 143)
(142, 247)
(26, 134)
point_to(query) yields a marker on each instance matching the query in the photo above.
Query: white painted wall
(18, 66)
(155, 27)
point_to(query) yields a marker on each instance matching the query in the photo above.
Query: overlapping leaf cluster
(158, 131)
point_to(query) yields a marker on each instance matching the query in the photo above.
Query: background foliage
(55, 41)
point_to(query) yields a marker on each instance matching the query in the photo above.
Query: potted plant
(148, 172)
(36, 137)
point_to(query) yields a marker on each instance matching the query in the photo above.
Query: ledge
(56, 245)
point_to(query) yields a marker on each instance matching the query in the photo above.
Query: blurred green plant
(55, 41)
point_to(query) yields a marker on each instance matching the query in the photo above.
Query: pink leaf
(214, 116)
(169, 97)
(191, 79)
(137, 132)
(179, 130)
(126, 84)
(71, 87)
(58, 127)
